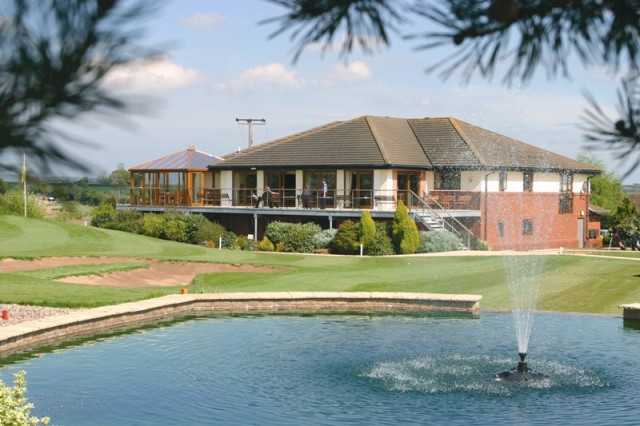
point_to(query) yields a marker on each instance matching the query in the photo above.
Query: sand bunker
(15, 265)
(160, 274)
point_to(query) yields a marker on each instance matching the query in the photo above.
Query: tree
(15, 408)
(54, 57)
(120, 176)
(367, 230)
(404, 231)
(516, 36)
(4, 186)
(626, 221)
(606, 188)
(347, 240)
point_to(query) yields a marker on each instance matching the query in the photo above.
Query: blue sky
(221, 65)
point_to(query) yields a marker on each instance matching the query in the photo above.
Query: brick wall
(550, 228)
(594, 224)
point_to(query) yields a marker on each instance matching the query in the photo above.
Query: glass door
(361, 188)
(245, 188)
(407, 182)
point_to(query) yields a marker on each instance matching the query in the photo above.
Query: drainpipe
(486, 193)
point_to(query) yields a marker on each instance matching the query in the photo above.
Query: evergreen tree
(367, 230)
(406, 237)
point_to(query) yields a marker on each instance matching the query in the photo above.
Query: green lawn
(568, 283)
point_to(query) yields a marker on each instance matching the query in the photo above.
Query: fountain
(523, 280)
(520, 373)
(524, 275)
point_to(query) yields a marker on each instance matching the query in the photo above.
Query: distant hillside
(629, 189)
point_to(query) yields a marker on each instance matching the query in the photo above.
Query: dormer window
(566, 182)
(527, 181)
(502, 180)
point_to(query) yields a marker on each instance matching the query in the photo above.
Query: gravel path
(20, 313)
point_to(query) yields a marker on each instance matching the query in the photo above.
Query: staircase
(429, 220)
(438, 218)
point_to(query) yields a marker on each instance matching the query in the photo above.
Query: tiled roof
(338, 143)
(442, 143)
(496, 150)
(400, 142)
(189, 159)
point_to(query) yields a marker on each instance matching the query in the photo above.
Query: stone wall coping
(90, 318)
(631, 306)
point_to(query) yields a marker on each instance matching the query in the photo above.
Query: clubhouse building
(450, 174)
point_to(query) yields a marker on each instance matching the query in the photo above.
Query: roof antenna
(250, 122)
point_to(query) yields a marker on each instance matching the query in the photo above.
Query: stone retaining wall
(631, 311)
(58, 329)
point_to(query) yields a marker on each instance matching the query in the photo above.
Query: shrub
(293, 237)
(406, 238)
(15, 408)
(437, 241)
(266, 245)
(103, 214)
(367, 229)
(177, 228)
(244, 243)
(153, 225)
(277, 231)
(347, 240)
(324, 238)
(478, 244)
(12, 202)
(207, 230)
(229, 240)
(127, 221)
(4, 186)
(70, 210)
(381, 244)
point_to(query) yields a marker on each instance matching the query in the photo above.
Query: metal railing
(426, 204)
(159, 196)
(357, 199)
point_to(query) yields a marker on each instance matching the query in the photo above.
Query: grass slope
(568, 283)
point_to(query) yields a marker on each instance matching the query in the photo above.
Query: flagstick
(24, 182)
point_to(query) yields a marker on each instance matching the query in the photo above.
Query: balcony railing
(296, 198)
(457, 200)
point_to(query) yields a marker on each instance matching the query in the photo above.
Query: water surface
(353, 370)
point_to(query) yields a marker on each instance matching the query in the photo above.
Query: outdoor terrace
(297, 199)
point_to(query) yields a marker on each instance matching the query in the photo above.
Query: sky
(220, 64)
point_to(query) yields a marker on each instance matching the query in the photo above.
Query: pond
(334, 370)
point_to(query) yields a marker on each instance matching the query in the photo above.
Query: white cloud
(203, 21)
(151, 76)
(357, 70)
(273, 75)
(344, 73)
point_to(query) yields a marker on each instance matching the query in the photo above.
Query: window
(527, 181)
(527, 227)
(566, 182)
(566, 202)
(313, 179)
(501, 229)
(503, 181)
(593, 234)
(447, 180)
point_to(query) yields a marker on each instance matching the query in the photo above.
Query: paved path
(603, 256)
